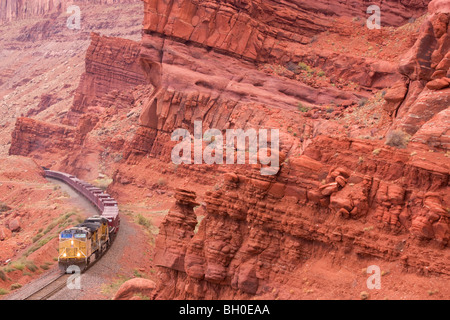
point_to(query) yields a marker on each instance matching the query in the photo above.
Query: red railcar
(106, 205)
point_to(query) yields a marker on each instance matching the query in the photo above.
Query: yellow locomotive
(84, 243)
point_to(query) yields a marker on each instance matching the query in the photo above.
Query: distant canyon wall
(11, 10)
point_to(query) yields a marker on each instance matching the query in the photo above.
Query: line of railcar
(86, 242)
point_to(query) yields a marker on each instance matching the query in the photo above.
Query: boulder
(14, 225)
(438, 84)
(135, 287)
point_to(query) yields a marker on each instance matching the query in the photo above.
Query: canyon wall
(11, 10)
(111, 65)
(259, 231)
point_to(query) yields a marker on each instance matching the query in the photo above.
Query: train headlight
(71, 242)
(64, 255)
(78, 255)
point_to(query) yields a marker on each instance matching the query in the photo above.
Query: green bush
(302, 108)
(18, 266)
(31, 266)
(3, 291)
(44, 266)
(303, 66)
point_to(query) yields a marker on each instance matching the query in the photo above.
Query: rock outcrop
(424, 92)
(135, 289)
(258, 232)
(111, 65)
(33, 136)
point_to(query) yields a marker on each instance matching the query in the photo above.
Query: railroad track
(57, 284)
(50, 289)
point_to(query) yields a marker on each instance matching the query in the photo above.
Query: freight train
(87, 241)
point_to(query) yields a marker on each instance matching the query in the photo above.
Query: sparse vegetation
(113, 287)
(3, 291)
(31, 266)
(62, 222)
(102, 182)
(431, 292)
(15, 286)
(397, 139)
(362, 102)
(18, 266)
(2, 275)
(303, 66)
(162, 182)
(9, 269)
(302, 108)
(45, 266)
(143, 221)
(329, 109)
(364, 295)
(4, 207)
(137, 274)
(37, 237)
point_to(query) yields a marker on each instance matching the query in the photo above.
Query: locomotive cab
(84, 243)
(74, 248)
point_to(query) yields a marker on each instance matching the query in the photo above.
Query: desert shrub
(329, 109)
(37, 237)
(362, 102)
(303, 66)
(2, 275)
(9, 269)
(4, 207)
(46, 265)
(321, 73)
(102, 183)
(291, 66)
(143, 221)
(302, 108)
(162, 182)
(31, 266)
(15, 286)
(397, 139)
(18, 266)
(3, 291)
